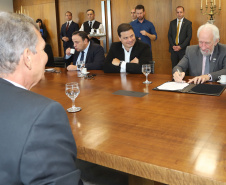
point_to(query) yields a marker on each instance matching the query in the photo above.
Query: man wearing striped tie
(179, 36)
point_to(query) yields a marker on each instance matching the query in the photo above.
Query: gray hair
(213, 28)
(17, 32)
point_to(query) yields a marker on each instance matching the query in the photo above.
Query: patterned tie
(82, 57)
(178, 28)
(67, 26)
(207, 65)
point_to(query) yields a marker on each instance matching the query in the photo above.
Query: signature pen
(179, 72)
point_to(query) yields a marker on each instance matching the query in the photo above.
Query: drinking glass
(146, 70)
(72, 91)
(80, 65)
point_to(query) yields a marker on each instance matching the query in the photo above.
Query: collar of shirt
(15, 84)
(92, 22)
(140, 22)
(69, 22)
(180, 20)
(85, 53)
(127, 54)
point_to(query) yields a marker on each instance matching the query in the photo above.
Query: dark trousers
(176, 56)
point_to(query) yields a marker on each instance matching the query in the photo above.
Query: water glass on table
(72, 91)
(146, 70)
(80, 66)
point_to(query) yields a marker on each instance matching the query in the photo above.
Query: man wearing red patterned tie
(67, 29)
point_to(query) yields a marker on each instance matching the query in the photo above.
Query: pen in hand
(179, 72)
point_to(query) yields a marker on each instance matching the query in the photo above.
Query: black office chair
(49, 52)
(152, 67)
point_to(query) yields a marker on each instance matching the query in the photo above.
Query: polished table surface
(169, 137)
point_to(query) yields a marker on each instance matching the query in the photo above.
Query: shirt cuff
(123, 67)
(67, 56)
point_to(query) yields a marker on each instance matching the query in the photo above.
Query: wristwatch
(210, 77)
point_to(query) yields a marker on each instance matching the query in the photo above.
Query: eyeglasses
(205, 43)
(90, 76)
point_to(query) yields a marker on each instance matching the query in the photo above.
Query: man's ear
(119, 38)
(216, 41)
(27, 58)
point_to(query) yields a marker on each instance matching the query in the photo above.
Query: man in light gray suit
(37, 145)
(206, 61)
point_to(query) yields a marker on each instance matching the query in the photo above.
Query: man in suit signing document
(37, 145)
(205, 61)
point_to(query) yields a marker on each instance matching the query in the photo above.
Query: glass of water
(72, 91)
(146, 70)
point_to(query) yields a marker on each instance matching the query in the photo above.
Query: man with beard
(143, 29)
(129, 54)
(205, 61)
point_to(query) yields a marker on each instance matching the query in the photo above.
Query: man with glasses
(205, 61)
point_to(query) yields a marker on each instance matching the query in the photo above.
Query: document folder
(205, 89)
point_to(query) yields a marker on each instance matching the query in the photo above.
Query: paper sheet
(172, 86)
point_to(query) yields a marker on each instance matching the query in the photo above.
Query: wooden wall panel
(45, 10)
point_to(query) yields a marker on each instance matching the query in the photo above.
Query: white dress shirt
(126, 60)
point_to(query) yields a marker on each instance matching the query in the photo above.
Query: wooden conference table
(168, 137)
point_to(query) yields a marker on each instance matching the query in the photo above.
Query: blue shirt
(145, 25)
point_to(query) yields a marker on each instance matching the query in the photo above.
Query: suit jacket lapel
(88, 52)
(199, 62)
(182, 26)
(213, 60)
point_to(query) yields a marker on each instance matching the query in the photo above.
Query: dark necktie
(207, 65)
(82, 56)
(90, 24)
(67, 26)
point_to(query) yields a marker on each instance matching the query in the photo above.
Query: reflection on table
(169, 137)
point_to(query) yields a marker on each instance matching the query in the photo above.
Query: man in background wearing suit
(66, 31)
(129, 54)
(92, 24)
(133, 14)
(206, 61)
(86, 50)
(179, 36)
(37, 145)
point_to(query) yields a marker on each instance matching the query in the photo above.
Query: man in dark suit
(206, 61)
(66, 31)
(179, 36)
(129, 54)
(92, 24)
(85, 50)
(37, 145)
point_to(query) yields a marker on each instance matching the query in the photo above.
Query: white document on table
(172, 86)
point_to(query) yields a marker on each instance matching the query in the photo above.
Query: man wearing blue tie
(85, 50)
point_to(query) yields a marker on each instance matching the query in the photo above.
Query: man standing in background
(133, 14)
(179, 36)
(143, 28)
(92, 24)
(66, 31)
